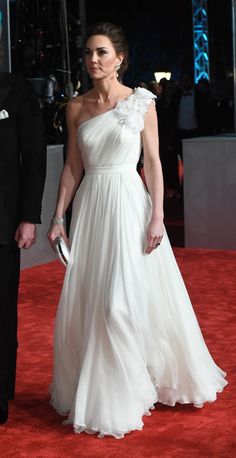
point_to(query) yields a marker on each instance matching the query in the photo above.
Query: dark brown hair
(117, 38)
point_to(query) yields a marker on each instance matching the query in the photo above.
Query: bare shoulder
(74, 105)
(74, 109)
(77, 107)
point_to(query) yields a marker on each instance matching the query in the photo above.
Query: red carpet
(35, 430)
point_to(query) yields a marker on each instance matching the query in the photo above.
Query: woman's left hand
(155, 232)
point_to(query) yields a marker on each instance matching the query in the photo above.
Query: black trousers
(9, 282)
(177, 150)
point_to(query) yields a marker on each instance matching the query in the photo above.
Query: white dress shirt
(187, 116)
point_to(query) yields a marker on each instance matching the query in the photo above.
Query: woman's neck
(107, 91)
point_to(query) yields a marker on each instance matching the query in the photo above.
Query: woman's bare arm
(72, 171)
(153, 177)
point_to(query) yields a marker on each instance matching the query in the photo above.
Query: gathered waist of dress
(110, 169)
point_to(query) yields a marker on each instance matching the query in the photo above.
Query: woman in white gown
(126, 336)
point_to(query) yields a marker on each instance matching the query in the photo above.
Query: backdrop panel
(210, 192)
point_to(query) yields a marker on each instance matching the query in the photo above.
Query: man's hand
(25, 235)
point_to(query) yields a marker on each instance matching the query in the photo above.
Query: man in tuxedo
(22, 176)
(190, 115)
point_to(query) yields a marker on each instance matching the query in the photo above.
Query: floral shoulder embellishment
(131, 111)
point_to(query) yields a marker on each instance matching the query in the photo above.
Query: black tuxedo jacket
(22, 155)
(203, 110)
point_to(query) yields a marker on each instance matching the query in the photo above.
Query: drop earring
(117, 67)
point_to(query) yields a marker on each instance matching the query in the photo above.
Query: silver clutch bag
(62, 249)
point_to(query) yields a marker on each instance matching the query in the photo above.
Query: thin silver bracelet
(57, 220)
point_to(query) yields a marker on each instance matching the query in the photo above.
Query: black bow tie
(186, 93)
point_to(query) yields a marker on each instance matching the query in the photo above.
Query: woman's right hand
(57, 230)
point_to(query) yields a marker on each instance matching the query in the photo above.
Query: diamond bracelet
(57, 221)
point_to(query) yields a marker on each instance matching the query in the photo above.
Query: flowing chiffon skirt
(126, 335)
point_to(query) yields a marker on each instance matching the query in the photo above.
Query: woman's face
(101, 57)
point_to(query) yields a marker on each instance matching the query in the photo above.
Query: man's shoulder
(175, 97)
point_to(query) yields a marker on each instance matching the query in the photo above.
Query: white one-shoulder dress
(126, 335)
